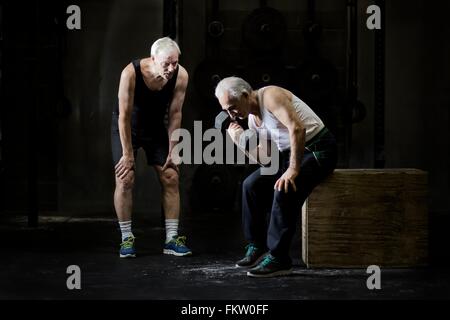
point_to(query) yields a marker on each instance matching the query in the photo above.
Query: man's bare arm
(175, 111)
(260, 153)
(126, 98)
(279, 102)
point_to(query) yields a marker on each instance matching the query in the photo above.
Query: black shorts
(156, 146)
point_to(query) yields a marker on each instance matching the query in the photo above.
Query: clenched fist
(235, 131)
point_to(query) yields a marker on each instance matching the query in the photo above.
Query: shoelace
(127, 243)
(267, 260)
(180, 241)
(250, 249)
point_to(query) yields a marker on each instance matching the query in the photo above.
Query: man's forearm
(125, 135)
(297, 137)
(252, 153)
(264, 150)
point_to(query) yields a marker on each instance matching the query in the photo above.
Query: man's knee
(169, 178)
(127, 183)
(248, 184)
(251, 183)
(290, 200)
(281, 196)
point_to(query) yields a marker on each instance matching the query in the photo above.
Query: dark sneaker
(127, 248)
(251, 256)
(177, 247)
(270, 267)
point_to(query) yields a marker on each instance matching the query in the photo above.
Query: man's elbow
(298, 130)
(124, 118)
(175, 113)
(175, 116)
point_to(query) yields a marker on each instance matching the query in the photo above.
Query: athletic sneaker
(127, 248)
(252, 256)
(177, 247)
(270, 267)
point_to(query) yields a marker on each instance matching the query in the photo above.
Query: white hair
(234, 86)
(164, 45)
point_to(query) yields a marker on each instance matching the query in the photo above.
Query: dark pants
(259, 197)
(155, 145)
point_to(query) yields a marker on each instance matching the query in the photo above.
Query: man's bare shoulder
(274, 94)
(128, 72)
(182, 79)
(182, 73)
(275, 90)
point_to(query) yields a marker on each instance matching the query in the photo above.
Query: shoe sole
(168, 251)
(127, 255)
(249, 266)
(270, 275)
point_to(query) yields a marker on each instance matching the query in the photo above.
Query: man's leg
(257, 194)
(123, 197)
(256, 201)
(123, 194)
(170, 198)
(283, 221)
(169, 181)
(286, 208)
(123, 203)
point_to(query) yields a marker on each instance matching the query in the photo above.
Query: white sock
(171, 229)
(125, 228)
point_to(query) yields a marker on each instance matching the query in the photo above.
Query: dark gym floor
(34, 263)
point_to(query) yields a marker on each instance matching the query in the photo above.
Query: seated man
(149, 88)
(308, 153)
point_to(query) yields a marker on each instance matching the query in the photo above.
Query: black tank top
(150, 106)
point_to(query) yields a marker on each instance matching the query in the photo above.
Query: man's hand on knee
(125, 164)
(170, 164)
(286, 180)
(128, 180)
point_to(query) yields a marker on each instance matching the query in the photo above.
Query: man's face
(166, 63)
(236, 108)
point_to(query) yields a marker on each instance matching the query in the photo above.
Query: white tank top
(277, 131)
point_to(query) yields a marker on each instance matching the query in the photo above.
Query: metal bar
(33, 198)
(379, 121)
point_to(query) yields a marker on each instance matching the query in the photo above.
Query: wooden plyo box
(362, 217)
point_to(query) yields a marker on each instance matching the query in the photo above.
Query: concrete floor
(34, 264)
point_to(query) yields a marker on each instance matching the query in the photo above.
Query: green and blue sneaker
(177, 247)
(127, 248)
(252, 256)
(270, 267)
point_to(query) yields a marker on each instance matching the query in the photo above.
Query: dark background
(58, 88)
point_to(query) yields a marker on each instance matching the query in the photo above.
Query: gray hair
(164, 45)
(234, 86)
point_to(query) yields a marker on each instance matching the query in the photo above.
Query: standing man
(149, 88)
(308, 153)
